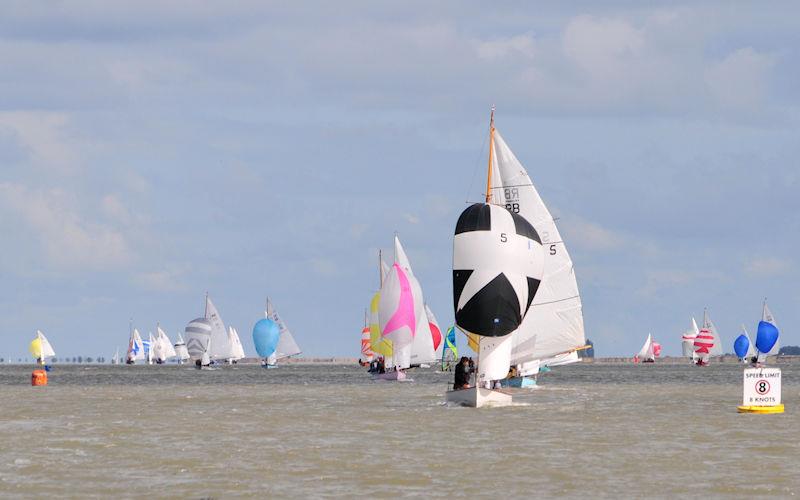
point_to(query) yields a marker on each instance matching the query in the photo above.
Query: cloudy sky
(151, 152)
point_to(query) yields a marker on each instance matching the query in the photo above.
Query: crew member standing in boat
(462, 375)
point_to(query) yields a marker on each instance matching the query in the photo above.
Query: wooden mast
(491, 151)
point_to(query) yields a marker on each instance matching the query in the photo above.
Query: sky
(152, 151)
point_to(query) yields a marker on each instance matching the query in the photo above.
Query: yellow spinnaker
(379, 344)
(36, 348)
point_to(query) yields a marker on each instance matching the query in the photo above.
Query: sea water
(589, 430)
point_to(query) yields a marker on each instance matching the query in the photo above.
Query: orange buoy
(39, 377)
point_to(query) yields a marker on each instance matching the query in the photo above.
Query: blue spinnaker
(741, 345)
(266, 334)
(766, 337)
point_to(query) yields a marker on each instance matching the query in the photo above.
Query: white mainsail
(396, 314)
(646, 352)
(221, 348)
(554, 324)
(751, 347)
(286, 344)
(766, 315)
(687, 341)
(164, 349)
(238, 350)
(422, 350)
(180, 349)
(40, 348)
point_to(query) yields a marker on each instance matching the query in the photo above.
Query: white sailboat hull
(394, 376)
(478, 397)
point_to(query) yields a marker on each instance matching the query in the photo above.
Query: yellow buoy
(761, 409)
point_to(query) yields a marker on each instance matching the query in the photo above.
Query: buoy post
(761, 391)
(39, 377)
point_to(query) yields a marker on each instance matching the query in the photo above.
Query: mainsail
(163, 347)
(221, 347)
(366, 344)
(766, 317)
(687, 341)
(237, 351)
(180, 349)
(397, 313)
(286, 344)
(555, 322)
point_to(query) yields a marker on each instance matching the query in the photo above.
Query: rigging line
(475, 167)
(555, 301)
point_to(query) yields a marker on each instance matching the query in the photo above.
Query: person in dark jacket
(462, 375)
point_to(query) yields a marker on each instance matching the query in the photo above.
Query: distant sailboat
(379, 344)
(423, 343)
(115, 359)
(687, 342)
(237, 352)
(198, 335)
(366, 346)
(164, 349)
(707, 343)
(135, 348)
(450, 350)
(148, 348)
(221, 348)
(649, 351)
(767, 328)
(266, 335)
(436, 333)
(744, 347)
(41, 349)
(287, 346)
(180, 350)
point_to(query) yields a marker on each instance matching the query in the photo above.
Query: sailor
(461, 380)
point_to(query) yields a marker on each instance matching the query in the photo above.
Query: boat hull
(395, 376)
(519, 382)
(761, 409)
(478, 397)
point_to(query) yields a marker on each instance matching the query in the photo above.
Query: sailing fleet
(516, 303)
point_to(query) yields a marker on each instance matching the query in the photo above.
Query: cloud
(515, 46)
(740, 80)
(170, 280)
(768, 266)
(67, 240)
(591, 236)
(411, 218)
(44, 137)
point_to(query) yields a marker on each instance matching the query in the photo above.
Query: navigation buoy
(38, 377)
(761, 391)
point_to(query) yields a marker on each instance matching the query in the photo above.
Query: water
(589, 430)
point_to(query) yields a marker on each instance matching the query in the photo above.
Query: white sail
(422, 350)
(151, 344)
(397, 313)
(180, 349)
(115, 359)
(47, 349)
(687, 340)
(220, 346)
(751, 348)
(554, 324)
(766, 315)
(562, 359)
(198, 338)
(238, 350)
(646, 352)
(286, 344)
(135, 347)
(433, 325)
(165, 349)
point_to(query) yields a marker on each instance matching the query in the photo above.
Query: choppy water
(589, 430)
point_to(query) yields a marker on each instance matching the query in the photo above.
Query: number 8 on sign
(762, 387)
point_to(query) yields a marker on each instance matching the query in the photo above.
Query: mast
(491, 151)
(205, 315)
(380, 266)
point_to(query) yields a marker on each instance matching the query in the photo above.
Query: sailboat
(450, 350)
(436, 333)
(164, 349)
(379, 344)
(135, 348)
(423, 345)
(198, 335)
(41, 349)
(687, 342)
(707, 343)
(551, 319)
(366, 345)
(221, 348)
(148, 348)
(237, 351)
(649, 351)
(499, 270)
(743, 346)
(287, 346)
(115, 359)
(266, 335)
(767, 328)
(180, 350)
